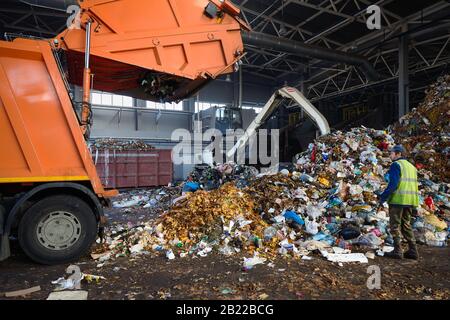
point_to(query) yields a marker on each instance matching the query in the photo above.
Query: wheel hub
(58, 230)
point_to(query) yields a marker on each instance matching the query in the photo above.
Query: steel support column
(136, 114)
(302, 86)
(189, 106)
(236, 80)
(403, 79)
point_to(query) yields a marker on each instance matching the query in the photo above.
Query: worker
(402, 195)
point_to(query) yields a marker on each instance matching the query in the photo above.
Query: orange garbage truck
(51, 197)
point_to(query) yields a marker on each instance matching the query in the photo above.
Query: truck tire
(57, 229)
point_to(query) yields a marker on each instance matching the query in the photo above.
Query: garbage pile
(160, 87)
(121, 145)
(194, 224)
(356, 164)
(209, 178)
(158, 200)
(327, 204)
(425, 132)
(205, 219)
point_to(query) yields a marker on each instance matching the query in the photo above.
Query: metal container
(133, 168)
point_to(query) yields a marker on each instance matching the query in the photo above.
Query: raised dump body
(161, 50)
(50, 194)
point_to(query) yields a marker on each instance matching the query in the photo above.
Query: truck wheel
(57, 229)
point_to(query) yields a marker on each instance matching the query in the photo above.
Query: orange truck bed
(39, 130)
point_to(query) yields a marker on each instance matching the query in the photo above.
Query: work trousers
(400, 223)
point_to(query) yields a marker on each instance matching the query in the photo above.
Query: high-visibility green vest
(407, 192)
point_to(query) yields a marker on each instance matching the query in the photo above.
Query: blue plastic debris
(291, 215)
(191, 187)
(334, 202)
(324, 237)
(333, 228)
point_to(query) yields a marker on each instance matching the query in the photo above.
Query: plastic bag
(435, 221)
(350, 232)
(170, 255)
(306, 178)
(370, 240)
(249, 263)
(344, 148)
(334, 202)
(320, 236)
(293, 216)
(355, 190)
(313, 211)
(191, 187)
(312, 227)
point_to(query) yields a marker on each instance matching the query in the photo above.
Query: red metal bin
(133, 168)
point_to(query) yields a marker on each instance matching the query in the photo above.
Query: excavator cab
(228, 118)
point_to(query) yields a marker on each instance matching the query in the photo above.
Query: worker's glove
(380, 200)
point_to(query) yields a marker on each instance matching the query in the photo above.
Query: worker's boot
(398, 252)
(412, 252)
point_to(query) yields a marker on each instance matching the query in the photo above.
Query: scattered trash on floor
(249, 263)
(68, 295)
(347, 257)
(22, 293)
(73, 282)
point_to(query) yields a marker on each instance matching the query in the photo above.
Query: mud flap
(4, 247)
(4, 238)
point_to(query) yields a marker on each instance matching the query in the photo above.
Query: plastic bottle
(258, 242)
(306, 178)
(269, 233)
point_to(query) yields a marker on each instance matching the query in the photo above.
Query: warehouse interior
(348, 88)
(408, 53)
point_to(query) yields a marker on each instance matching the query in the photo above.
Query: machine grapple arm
(272, 105)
